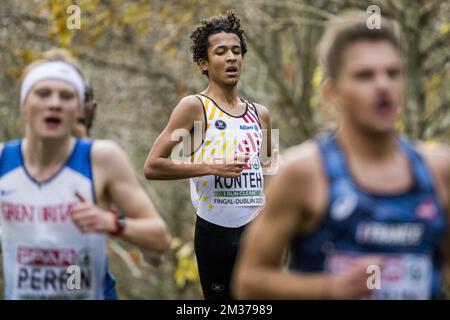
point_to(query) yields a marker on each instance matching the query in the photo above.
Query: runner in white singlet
(54, 191)
(225, 168)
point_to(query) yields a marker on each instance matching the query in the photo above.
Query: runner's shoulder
(263, 112)
(261, 108)
(302, 162)
(188, 109)
(189, 104)
(437, 156)
(104, 152)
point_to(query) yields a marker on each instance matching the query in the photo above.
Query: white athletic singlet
(39, 240)
(229, 202)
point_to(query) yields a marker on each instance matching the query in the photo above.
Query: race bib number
(53, 273)
(246, 190)
(402, 276)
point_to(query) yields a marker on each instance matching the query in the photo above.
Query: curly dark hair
(229, 23)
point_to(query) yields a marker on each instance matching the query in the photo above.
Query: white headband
(53, 70)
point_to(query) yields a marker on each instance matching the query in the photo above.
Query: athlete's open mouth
(52, 121)
(385, 107)
(231, 69)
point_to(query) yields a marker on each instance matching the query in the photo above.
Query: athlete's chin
(53, 134)
(382, 129)
(379, 125)
(232, 81)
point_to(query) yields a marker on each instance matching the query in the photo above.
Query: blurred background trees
(136, 55)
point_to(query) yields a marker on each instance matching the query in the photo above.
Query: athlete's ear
(329, 91)
(24, 111)
(203, 64)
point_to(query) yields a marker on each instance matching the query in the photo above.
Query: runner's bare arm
(144, 226)
(159, 166)
(267, 154)
(438, 159)
(258, 273)
(266, 147)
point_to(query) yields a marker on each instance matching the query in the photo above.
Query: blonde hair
(61, 54)
(55, 54)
